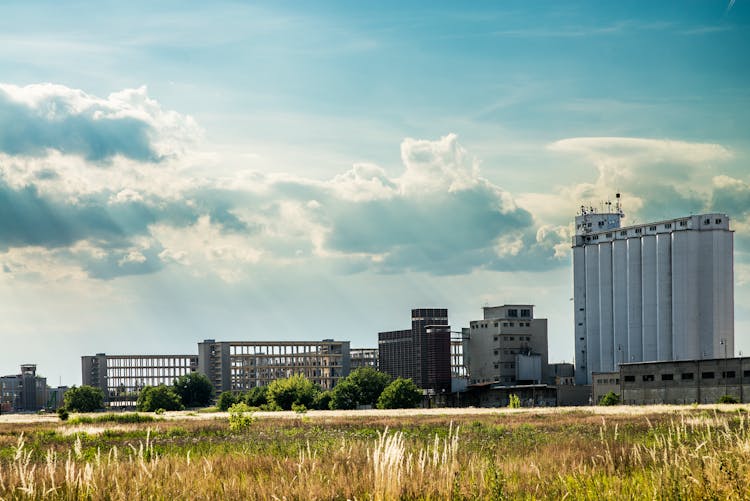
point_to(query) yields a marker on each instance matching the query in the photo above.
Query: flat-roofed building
(121, 377)
(242, 365)
(364, 357)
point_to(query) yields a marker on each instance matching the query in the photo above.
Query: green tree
(345, 395)
(226, 400)
(194, 389)
(164, 397)
(323, 400)
(610, 398)
(257, 396)
(297, 389)
(84, 399)
(370, 383)
(400, 394)
(727, 399)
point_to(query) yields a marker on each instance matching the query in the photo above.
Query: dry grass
(673, 453)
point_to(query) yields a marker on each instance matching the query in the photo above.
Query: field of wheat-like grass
(655, 453)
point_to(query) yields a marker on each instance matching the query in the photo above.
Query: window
(623, 233)
(706, 221)
(512, 313)
(707, 375)
(667, 377)
(683, 223)
(718, 221)
(746, 373)
(525, 313)
(505, 324)
(580, 323)
(728, 374)
(601, 223)
(667, 226)
(609, 235)
(629, 379)
(583, 339)
(638, 230)
(496, 353)
(652, 228)
(495, 324)
(511, 324)
(596, 237)
(494, 338)
(687, 376)
(511, 338)
(648, 377)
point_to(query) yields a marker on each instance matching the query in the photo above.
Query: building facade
(653, 291)
(363, 357)
(25, 391)
(508, 346)
(121, 377)
(701, 381)
(422, 353)
(242, 365)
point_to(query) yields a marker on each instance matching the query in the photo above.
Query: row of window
(687, 376)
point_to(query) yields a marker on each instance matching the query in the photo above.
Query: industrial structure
(649, 292)
(242, 365)
(508, 346)
(27, 391)
(422, 353)
(121, 377)
(363, 357)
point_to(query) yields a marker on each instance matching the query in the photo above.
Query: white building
(648, 292)
(508, 346)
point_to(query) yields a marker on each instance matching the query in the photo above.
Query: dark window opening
(667, 377)
(707, 375)
(687, 375)
(629, 379)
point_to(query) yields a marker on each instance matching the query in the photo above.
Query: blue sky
(171, 172)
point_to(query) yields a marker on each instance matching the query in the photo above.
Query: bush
(84, 399)
(610, 398)
(299, 408)
(370, 384)
(194, 390)
(62, 413)
(400, 394)
(164, 397)
(226, 400)
(240, 417)
(323, 400)
(345, 395)
(282, 393)
(728, 399)
(514, 401)
(257, 396)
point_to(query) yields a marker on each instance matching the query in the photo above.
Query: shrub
(299, 408)
(400, 394)
(62, 412)
(226, 400)
(84, 399)
(728, 399)
(345, 395)
(610, 398)
(257, 396)
(194, 390)
(152, 398)
(240, 417)
(282, 393)
(323, 400)
(514, 401)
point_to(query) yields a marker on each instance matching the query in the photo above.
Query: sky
(177, 171)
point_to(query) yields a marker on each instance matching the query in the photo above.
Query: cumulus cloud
(41, 117)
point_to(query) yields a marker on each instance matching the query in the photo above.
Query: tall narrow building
(422, 353)
(653, 291)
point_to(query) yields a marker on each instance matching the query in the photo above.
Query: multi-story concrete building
(422, 353)
(121, 377)
(653, 291)
(242, 365)
(23, 392)
(508, 346)
(363, 357)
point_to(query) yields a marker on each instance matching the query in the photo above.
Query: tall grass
(690, 456)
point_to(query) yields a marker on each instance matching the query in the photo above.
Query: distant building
(363, 357)
(652, 291)
(422, 353)
(242, 365)
(702, 381)
(23, 392)
(508, 346)
(121, 377)
(603, 383)
(561, 373)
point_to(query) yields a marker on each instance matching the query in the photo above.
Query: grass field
(587, 453)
